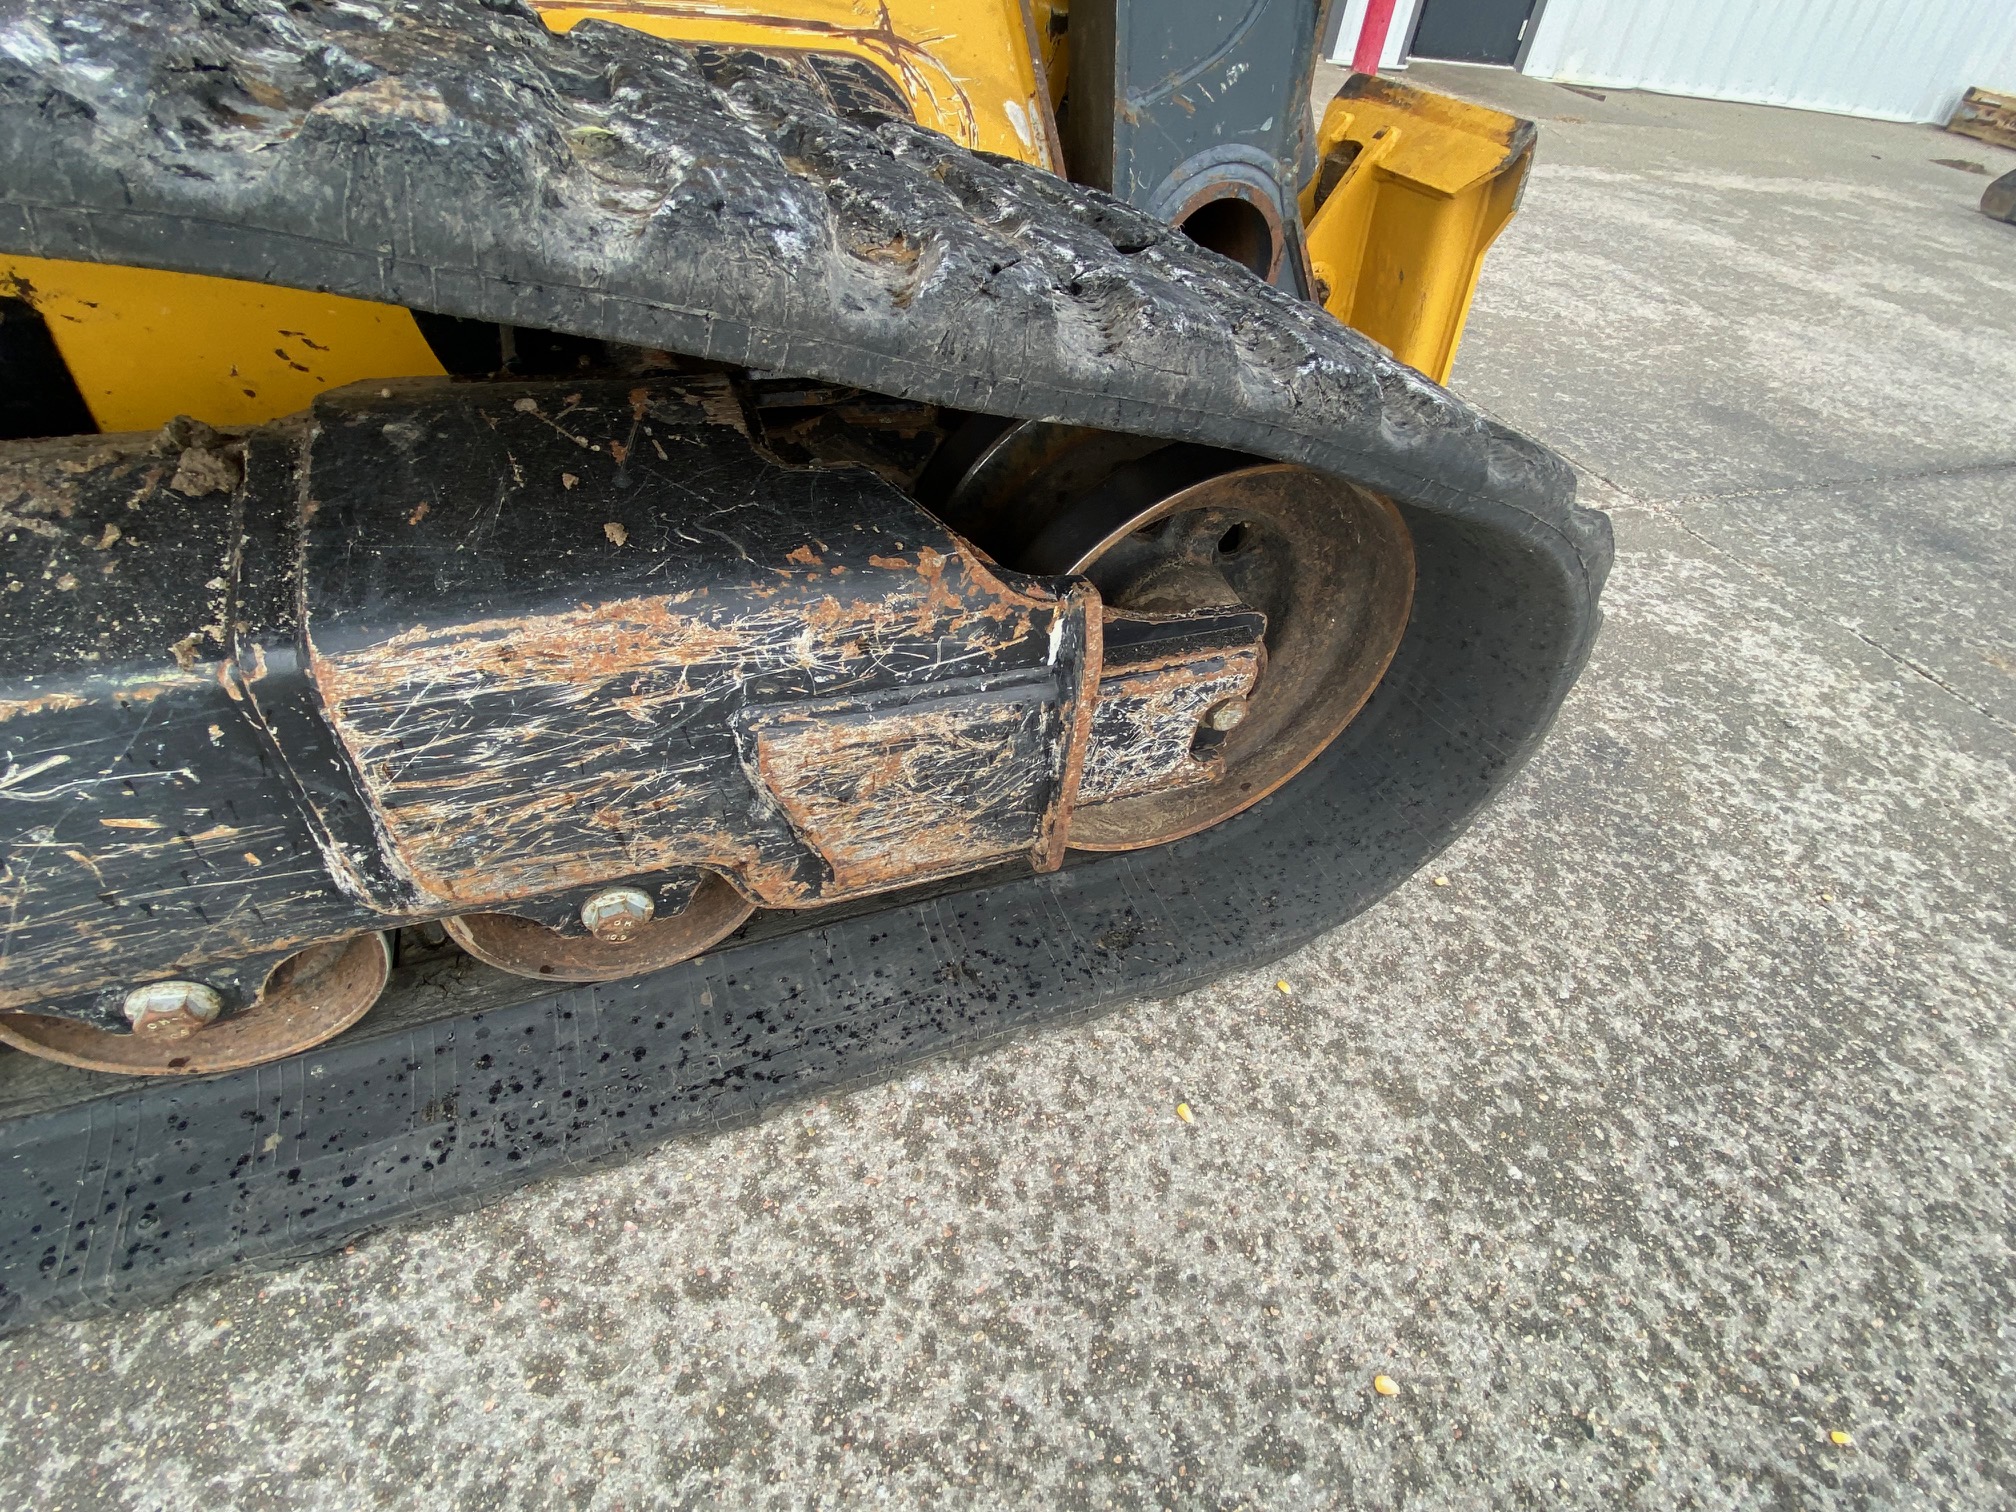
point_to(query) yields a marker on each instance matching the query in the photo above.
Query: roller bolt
(1227, 715)
(170, 1010)
(617, 915)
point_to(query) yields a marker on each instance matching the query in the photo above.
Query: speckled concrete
(1660, 1132)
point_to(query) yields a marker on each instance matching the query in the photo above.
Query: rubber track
(458, 158)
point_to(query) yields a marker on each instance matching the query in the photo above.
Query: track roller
(309, 997)
(1181, 529)
(627, 940)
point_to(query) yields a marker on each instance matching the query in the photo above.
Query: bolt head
(170, 1010)
(617, 915)
(1227, 715)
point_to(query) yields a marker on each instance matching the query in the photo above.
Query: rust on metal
(532, 750)
(583, 675)
(1146, 722)
(1332, 568)
(307, 998)
(528, 948)
(1325, 566)
(624, 640)
(889, 796)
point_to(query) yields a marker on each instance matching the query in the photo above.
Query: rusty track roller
(529, 948)
(1166, 530)
(311, 996)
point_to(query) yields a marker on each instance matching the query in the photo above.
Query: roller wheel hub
(1171, 529)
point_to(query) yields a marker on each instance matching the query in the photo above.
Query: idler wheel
(1186, 527)
(528, 948)
(311, 996)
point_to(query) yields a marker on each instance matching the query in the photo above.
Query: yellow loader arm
(1411, 189)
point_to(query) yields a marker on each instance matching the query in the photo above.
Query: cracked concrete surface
(1663, 1130)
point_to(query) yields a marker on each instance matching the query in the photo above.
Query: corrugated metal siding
(1899, 60)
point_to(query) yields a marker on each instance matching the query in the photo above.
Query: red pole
(1372, 36)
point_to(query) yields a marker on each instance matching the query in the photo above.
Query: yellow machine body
(1412, 190)
(144, 346)
(972, 69)
(1415, 186)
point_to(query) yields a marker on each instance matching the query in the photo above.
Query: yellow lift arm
(1412, 189)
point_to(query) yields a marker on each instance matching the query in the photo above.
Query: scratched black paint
(146, 826)
(463, 646)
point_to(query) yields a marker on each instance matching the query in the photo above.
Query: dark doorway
(1472, 31)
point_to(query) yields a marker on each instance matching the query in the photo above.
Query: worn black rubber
(457, 158)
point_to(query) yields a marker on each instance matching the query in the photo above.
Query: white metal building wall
(1898, 60)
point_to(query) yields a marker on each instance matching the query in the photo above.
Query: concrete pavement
(1660, 1132)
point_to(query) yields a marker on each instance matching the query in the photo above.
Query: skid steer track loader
(569, 571)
